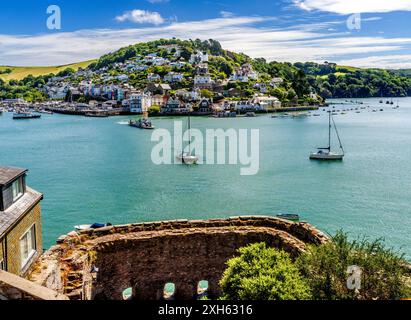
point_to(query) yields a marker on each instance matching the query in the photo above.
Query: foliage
(347, 82)
(154, 109)
(206, 94)
(262, 273)
(325, 268)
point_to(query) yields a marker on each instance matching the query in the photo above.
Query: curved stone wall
(100, 264)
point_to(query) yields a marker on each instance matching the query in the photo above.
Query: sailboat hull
(327, 156)
(188, 159)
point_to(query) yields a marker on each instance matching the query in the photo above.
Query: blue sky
(283, 30)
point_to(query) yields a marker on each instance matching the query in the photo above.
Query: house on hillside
(158, 88)
(199, 57)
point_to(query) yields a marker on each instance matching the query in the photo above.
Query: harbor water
(100, 170)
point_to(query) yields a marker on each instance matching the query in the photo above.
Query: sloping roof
(18, 209)
(165, 86)
(8, 174)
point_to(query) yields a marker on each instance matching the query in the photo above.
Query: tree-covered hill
(330, 80)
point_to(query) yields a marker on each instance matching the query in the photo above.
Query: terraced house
(20, 222)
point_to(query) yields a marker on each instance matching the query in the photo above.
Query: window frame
(20, 190)
(32, 242)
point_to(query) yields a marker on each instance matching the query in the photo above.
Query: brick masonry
(11, 241)
(146, 256)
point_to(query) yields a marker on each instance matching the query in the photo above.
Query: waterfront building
(20, 222)
(267, 102)
(140, 102)
(205, 106)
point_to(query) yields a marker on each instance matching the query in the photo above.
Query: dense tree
(326, 268)
(262, 273)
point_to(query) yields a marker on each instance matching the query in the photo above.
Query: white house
(199, 57)
(139, 102)
(173, 77)
(267, 102)
(202, 79)
(153, 77)
(276, 82)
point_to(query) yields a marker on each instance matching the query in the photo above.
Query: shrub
(326, 266)
(154, 109)
(262, 273)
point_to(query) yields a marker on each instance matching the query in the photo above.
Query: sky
(361, 33)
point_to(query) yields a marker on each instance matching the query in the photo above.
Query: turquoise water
(100, 170)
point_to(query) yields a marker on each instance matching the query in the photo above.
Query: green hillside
(19, 73)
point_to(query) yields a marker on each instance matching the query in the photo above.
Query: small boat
(187, 158)
(45, 111)
(142, 124)
(25, 115)
(92, 226)
(250, 114)
(326, 153)
(97, 114)
(290, 217)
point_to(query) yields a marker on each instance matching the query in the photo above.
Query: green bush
(326, 266)
(154, 109)
(262, 273)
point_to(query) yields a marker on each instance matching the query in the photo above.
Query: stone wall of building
(2, 243)
(100, 264)
(13, 240)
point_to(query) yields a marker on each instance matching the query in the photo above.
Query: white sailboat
(326, 153)
(186, 157)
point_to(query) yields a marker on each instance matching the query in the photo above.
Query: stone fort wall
(100, 264)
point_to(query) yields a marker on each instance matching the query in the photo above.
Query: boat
(45, 111)
(186, 157)
(326, 153)
(25, 115)
(142, 124)
(97, 114)
(92, 226)
(290, 217)
(250, 114)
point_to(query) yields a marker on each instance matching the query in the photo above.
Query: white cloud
(226, 14)
(308, 42)
(141, 16)
(354, 6)
(158, 1)
(400, 61)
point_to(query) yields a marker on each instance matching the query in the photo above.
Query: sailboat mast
(329, 131)
(189, 132)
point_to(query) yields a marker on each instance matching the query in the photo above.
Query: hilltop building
(20, 222)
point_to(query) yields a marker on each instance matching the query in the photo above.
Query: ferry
(25, 115)
(142, 124)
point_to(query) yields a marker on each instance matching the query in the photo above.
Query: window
(28, 246)
(169, 291)
(17, 189)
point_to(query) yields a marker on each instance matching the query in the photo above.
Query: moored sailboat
(186, 157)
(326, 153)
